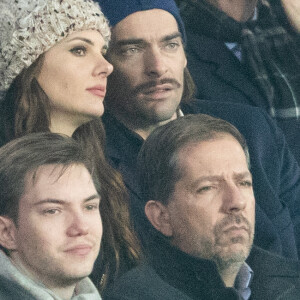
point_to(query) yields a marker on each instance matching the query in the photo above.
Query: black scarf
(271, 55)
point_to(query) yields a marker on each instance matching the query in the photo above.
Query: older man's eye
(204, 189)
(246, 183)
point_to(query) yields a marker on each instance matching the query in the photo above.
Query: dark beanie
(117, 10)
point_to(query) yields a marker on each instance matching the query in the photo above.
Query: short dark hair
(26, 154)
(158, 159)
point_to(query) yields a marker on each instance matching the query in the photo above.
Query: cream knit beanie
(28, 28)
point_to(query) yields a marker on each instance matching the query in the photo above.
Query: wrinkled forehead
(148, 24)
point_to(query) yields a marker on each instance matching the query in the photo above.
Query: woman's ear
(158, 215)
(7, 233)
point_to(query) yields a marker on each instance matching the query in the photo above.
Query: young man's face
(58, 234)
(149, 60)
(212, 209)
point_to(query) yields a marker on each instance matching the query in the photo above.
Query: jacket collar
(223, 64)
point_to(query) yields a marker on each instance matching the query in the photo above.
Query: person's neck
(59, 128)
(140, 127)
(145, 132)
(63, 125)
(228, 273)
(65, 292)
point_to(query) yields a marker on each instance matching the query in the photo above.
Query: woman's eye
(79, 51)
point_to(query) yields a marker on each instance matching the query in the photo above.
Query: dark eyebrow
(237, 176)
(130, 42)
(62, 202)
(166, 38)
(243, 175)
(81, 39)
(171, 36)
(93, 197)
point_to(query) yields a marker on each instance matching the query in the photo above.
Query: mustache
(144, 86)
(233, 220)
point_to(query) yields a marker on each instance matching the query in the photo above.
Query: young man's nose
(78, 225)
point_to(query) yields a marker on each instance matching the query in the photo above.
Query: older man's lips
(98, 90)
(236, 230)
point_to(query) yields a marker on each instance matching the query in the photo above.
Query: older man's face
(148, 58)
(212, 209)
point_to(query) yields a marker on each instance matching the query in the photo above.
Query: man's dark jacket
(220, 76)
(276, 174)
(171, 274)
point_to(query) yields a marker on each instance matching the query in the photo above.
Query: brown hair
(25, 109)
(158, 158)
(189, 87)
(26, 154)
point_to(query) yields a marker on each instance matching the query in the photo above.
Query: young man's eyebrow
(62, 202)
(49, 200)
(93, 197)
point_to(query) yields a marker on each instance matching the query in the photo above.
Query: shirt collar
(243, 280)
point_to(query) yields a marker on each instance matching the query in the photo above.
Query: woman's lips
(97, 91)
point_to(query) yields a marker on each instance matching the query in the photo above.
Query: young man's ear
(7, 233)
(158, 215)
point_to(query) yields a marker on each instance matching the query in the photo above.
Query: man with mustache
(200, 202)
(151, 86)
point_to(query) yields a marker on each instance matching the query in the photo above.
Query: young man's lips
(79, 250)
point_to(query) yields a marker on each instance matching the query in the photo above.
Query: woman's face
(74, 75)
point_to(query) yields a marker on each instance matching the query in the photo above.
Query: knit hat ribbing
(117, 10)
(28, 28)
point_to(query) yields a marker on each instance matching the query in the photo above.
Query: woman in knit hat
(53, 78)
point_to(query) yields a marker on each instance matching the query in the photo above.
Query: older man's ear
(159, 217)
